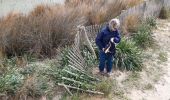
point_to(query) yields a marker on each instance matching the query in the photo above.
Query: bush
(106, 86)
(163, 56)
(164, 14)
(11, 81)
(46, 28)
(131, 3)
(128, 56)
(151, 22)
(131, 24)
(88, 57)
(36, 86)
(143, 38)
(40, 32)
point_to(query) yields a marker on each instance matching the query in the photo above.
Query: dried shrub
(99, 11)
(40, 32)
(131, 24)
(131, 3)
(164, 14)
(46, 28)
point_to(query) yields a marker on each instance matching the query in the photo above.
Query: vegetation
(164, 14)
(163, 56)
(131, 24)
(11, 81)
(132, 80)
(26, 37)
(144, 38)
(20, 34)
(128, 56)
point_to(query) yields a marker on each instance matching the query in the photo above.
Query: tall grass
(144, 38)
(128, 56)
(47, 28)
(164, 14)
(40, 32)
(131, 24)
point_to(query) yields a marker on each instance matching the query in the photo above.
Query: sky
(23, 6)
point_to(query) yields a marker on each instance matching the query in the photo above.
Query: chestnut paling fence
(86, 35)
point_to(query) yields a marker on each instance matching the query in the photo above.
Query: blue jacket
(103, 39)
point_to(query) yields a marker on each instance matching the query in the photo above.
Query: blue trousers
(105, 60)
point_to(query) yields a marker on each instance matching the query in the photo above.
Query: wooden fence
(149, 8)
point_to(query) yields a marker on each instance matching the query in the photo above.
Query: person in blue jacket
(106, 40)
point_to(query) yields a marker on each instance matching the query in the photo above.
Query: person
(106, 40)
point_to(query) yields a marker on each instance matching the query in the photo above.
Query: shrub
(163, 56)
(36, 86)
(151, 22)
(131, 3)
(143, 38)
(164, 13)
(89, 58)
(131, 24)
(106, 86)
(46, 28)
(128, 56)
(39, 33)
(99, 11)
(11, 81)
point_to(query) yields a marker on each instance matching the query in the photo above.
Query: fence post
(77, 38)
(144, 9)
(85, 39)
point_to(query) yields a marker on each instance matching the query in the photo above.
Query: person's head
(114, 24)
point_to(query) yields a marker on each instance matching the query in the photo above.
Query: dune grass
(46, 28)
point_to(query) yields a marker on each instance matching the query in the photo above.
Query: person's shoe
(108, 74)
(101, 73)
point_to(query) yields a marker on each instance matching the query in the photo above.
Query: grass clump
(163, 56)
(106, 86)
(148, 86)
(151, 22)
(11, 81)
(132, 80)
(130, 24)
(128, 56)
(143, 38)
(164, 14)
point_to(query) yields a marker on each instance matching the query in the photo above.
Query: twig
(83, 73)
(89, 91)
(67, 89)
(72, 80)
(76, 75)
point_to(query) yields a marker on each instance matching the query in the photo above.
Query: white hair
(116, 21)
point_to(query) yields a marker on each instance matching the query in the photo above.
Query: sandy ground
(23, 6)
(153, 83)
(161, 89)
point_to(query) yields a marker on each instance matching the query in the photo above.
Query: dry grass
(40, 33)
(131, 3)
(165, 13)
(131, 24)
(46, 28)
(99, 11)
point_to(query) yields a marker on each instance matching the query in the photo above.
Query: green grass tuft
(128, 56)
(143, 38)
(163, 57)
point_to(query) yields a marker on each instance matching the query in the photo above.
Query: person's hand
(112, 40)
(103, 49)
